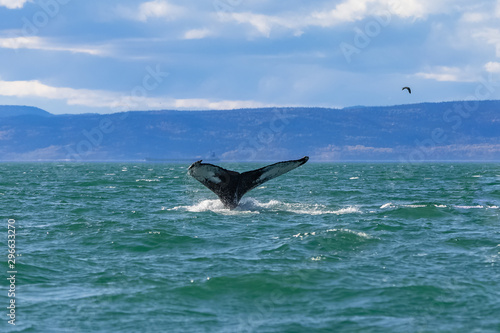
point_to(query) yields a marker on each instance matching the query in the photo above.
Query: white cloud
(449, 74)
(113, 100)
(491, 36)
(492, 67)
(214, 105)
(153, 9)
(6, 135)
(197, 34)
(471, 17)
(13, 4)
(364, 149)
(38, 43)
(263, 23)
(415, 8)
(347, 11)
(328, 153)
(35, 88)
(350, 10)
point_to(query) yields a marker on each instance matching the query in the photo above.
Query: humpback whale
(230, 186)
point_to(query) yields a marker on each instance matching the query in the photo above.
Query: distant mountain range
(465, 130)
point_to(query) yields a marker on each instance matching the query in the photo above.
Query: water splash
(215, 206)
(253, 206)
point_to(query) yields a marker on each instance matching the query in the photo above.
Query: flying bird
(407, 88)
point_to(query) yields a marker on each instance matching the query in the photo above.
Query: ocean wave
(334, 230)
(475, 207)
(297, 208)
(391, 205)
(349, 231)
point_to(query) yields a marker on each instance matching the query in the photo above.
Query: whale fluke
(230, 186)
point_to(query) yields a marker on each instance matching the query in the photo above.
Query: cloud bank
(227, 53)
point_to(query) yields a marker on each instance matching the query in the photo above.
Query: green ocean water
(135, 247)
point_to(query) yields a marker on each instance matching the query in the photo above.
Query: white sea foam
(339, 230)
(215, 206)
(253, 206)
(347, 210)
(297, 208)
(391, 205)
(357, 233)
(304, 234)
(475, 207)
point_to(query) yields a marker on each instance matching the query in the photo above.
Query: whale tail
(230, 186)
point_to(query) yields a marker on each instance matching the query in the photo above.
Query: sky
(76, 56)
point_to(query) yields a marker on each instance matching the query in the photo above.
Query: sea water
(360, 247)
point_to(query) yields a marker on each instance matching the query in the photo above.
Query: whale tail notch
(230, 186)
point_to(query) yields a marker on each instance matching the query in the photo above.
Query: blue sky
(75, 56)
